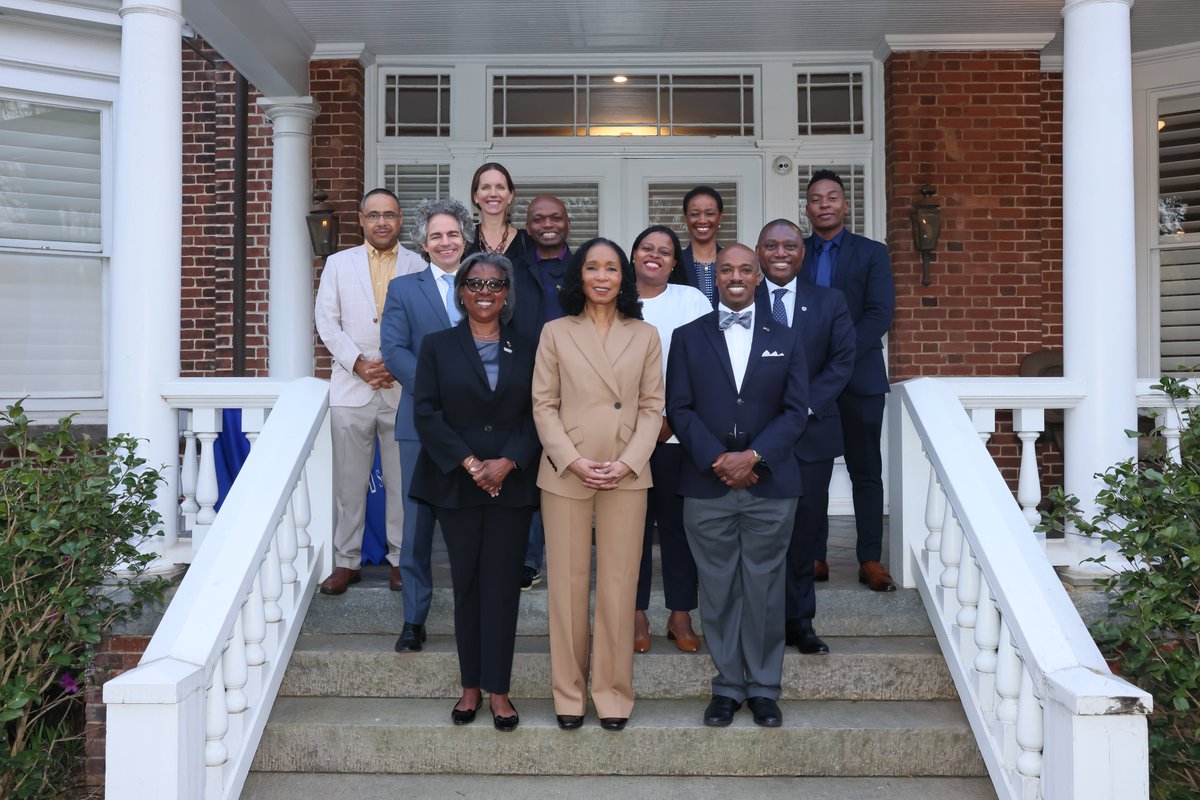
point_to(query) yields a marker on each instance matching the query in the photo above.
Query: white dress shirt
(447, 292)
(678, 305)
(738, 341)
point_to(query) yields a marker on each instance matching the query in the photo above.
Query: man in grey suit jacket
(362, 392)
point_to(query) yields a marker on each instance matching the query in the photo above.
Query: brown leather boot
(876, 577)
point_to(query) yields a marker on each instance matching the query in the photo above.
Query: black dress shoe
(411, 637)
(720, 711)
(766, 712)
(614, 723)
(464, 716)
(808, 643)
(570, 722)
(506, 724)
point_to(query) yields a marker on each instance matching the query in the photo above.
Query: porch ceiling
(656, 27)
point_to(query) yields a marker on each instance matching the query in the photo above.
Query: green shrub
(1151, 513)
(71, 515)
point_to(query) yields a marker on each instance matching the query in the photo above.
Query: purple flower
(68, 683)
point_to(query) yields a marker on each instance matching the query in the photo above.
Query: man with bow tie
(737, 398)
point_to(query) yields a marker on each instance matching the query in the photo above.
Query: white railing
(187, 721)
(1050, 719)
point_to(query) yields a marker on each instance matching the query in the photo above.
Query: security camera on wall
(782, 165)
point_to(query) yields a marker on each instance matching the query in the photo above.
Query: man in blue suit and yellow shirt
(861, 269)
(822, 320)
(417, 305)
(737, 398)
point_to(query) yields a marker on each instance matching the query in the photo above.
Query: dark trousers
(486, 545)
(862, 427)
(811, 526)
(416, 548)
(665, 507)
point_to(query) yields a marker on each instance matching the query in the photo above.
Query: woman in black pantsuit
(479, 447)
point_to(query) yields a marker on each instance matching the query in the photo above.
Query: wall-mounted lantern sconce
(927, 226)
(322, 225)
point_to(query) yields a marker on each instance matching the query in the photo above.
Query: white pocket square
(771, 354)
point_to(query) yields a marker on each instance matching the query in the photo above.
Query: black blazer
(529, 299)
(457, 413)
(693, 280)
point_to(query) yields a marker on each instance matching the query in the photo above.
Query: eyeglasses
(476, 285)
(387, 216)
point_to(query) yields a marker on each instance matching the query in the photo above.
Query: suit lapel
(717, 339)
(506, 358)
(619, 337)
(467, 343)
(429, 287)
(758, 345)
(583, 333)
(362, 271)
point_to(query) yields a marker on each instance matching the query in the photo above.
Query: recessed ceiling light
(1162, 123)
(619, 79)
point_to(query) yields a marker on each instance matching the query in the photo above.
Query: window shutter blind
(49, 175)
(666, 207)
(413, 183)
(581, 198)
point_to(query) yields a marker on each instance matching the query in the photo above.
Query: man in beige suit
(362, 393)
(597, 404)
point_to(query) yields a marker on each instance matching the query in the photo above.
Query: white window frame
(836, 69)
(380, 94)
(1156, 76)
(91, 407)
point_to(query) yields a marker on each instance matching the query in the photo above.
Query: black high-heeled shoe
(508, 723)
(614, 723)
(464, 716)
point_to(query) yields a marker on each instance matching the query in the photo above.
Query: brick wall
(985, 129)
(206, 346)
(114, 655)
(339, 133)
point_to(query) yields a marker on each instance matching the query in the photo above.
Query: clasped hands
(599, 475)
(374, 372)
(488, 475)
(736, 470)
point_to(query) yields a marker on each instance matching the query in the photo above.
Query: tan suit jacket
(348, 321)
(597, 400)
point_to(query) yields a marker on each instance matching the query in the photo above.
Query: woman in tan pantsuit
(597, 404)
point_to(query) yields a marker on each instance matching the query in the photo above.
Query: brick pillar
(338, 152)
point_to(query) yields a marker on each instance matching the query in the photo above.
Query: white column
(1099, 315)
(290, 327)
(143, 344)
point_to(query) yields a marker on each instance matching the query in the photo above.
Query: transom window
(613, 104)
(830, 103)
(416, 105)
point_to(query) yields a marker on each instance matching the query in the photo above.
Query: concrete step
(664, 737)
(288, 786)
(857, 668)
(843, 609)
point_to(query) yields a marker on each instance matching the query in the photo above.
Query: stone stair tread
(858, 668)
(660, 645)
(287, 786)
(538, 713)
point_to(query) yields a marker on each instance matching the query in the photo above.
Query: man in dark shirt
(539, 276)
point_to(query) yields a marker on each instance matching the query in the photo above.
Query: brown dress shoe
(641, 632)
(820, 571)
(679, 630)
(876, 577)
(339, 580)
(394, 583)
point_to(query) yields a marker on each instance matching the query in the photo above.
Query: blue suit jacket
(822, 321)
(864, 275)
(704, 404)
(414, 308)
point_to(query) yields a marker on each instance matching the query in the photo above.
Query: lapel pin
(508, 347)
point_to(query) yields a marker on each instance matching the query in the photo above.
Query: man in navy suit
(861, 269)
(737, 398)
(417, 305)
(820, 316)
